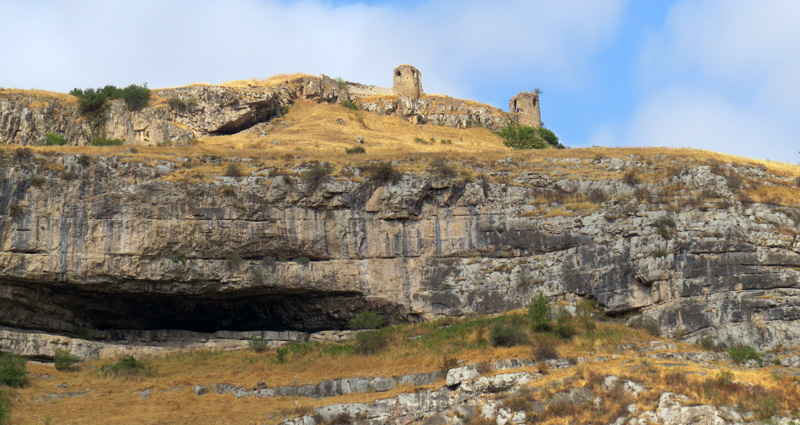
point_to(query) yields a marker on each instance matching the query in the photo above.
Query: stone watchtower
(526, 107)
(407, 81)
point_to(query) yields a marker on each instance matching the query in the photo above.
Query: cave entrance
(259, 112)
(67, 308)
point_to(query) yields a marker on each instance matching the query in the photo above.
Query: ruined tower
(526, 107)
(407, 81)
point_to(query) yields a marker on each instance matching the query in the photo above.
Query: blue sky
(720, 75)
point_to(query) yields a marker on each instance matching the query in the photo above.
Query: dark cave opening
(259, 112)
(67, 309)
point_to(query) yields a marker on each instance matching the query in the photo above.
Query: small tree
(136, 97)
(539, 312)
(526, 137)
(367, 319)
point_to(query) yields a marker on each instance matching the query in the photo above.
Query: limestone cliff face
(202, 111)
(108, 243)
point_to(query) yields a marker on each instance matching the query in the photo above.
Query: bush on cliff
(95, 101)
(53, 139)
(525, 137)
(382, 173)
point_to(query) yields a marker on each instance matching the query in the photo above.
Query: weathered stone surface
(25, 118)
(458, 375)
(88, 253)
(503, 381)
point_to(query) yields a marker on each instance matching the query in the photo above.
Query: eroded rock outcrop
(115, 245)
(175, 116)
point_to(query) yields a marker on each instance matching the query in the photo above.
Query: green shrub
(631, 178)
(259, 276)
(371, 342)
(525, 137)
(665, 226)
(442, 168)
(126, 366)
(565, 324)
(382, 173)
(234, 262)
(103, 141)
(23, 154)
(177, 104)
(5, 407)
(350, 105)
(136, 97)
(708, 343)
(341, 419)
(234, 170)
(584, 312)
(367, 319)
(53, 139)
(38, 181)
(302, 260)
(282, 354)
(95, 101)
(507, 335)
(91, 101)
(539, 312)
(259, 344)
(13, 372)
(65, 361)
(16, 210)
(543, 347)
(448, 363)
(766, 406)
(742, 353)
(357, 149)
(316, 174)
(650, 325)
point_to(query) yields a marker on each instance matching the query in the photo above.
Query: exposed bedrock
(118, 247)
(175, 116)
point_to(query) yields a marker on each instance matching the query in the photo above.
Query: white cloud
(723, 76)
(58, 45)
(687, 117)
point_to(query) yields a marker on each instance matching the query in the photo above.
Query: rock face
(110, 244)
(175, 116)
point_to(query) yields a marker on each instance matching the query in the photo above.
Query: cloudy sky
(721, 75)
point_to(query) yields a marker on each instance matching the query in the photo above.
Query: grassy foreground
(115, 396)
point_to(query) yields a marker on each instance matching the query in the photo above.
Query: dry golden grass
(266, 82)
(41, 97)
(117, 400)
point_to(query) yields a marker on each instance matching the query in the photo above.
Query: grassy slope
(310, 132)
(117, 401)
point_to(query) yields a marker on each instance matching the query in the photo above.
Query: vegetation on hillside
(95, 101)
(525, 137)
